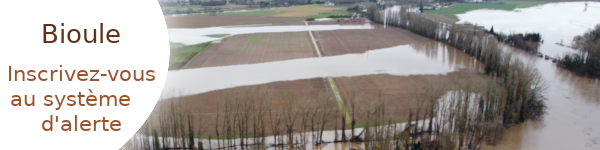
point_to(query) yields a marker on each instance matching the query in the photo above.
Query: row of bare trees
(243, 118)
(514, 92)
(466, 117)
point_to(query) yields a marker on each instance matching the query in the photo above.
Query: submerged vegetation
(513, 95)
(528, 42)
(465, 117)
(586, 61)
(182, 55)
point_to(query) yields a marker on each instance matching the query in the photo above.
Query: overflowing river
(556, 22)
(573, 119)
(573, 114)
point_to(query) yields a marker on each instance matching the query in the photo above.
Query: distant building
(329, 4)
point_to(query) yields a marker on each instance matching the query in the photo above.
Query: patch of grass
(173, 8)
(483, 75)
(217, 35)
(305, 10)
(175, 45)
(463, 8)
(525, 4)
(329, 13)
(181, 56)
(251, 13)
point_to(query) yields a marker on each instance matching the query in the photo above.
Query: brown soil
(257, 48)
(399, 93)
(213, 21)
(338, 42)
(314, 92)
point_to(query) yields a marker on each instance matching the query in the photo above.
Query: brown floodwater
(573, 115)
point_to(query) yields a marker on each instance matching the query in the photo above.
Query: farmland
(251, 85)
(314, 11)
(256, 48)
(462, 8)
(339, 42)
(397, 92)
(212, 21)
(180, 56)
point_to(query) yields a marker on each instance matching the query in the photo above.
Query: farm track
(332, 86)
(398, 91)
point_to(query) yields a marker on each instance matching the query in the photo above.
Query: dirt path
(332, 84)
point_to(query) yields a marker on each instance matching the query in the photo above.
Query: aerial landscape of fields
(356, 74)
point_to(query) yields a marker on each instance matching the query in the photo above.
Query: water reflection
(573, 114)
(447, 55)
(416, 59)
(556, 22)
(190, 36)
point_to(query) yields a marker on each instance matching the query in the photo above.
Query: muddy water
(416, 59)
(573, 114)
(328, 136)
(573, 119)
(556, 22)
(190, 36)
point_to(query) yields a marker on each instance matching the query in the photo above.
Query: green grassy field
(463, 8)
(180, 56)
(217, 35)
(173, 8)
(251, 13)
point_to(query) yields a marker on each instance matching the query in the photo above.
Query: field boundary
(332, 84)
(196, 56)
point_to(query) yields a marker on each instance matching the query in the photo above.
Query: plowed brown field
(214, 21)
(338, 42)
(256, 48)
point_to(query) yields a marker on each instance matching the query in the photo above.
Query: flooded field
(431, 57)
(189, 36)
(366, 64)
(573, 119)
(192, 21)
(556, 22)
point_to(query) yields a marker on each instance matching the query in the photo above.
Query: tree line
(515, 89)
(528, 42)
(586, 61)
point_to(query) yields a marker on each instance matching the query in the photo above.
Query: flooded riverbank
(573, 102)
(556, 22)
(573, 114)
